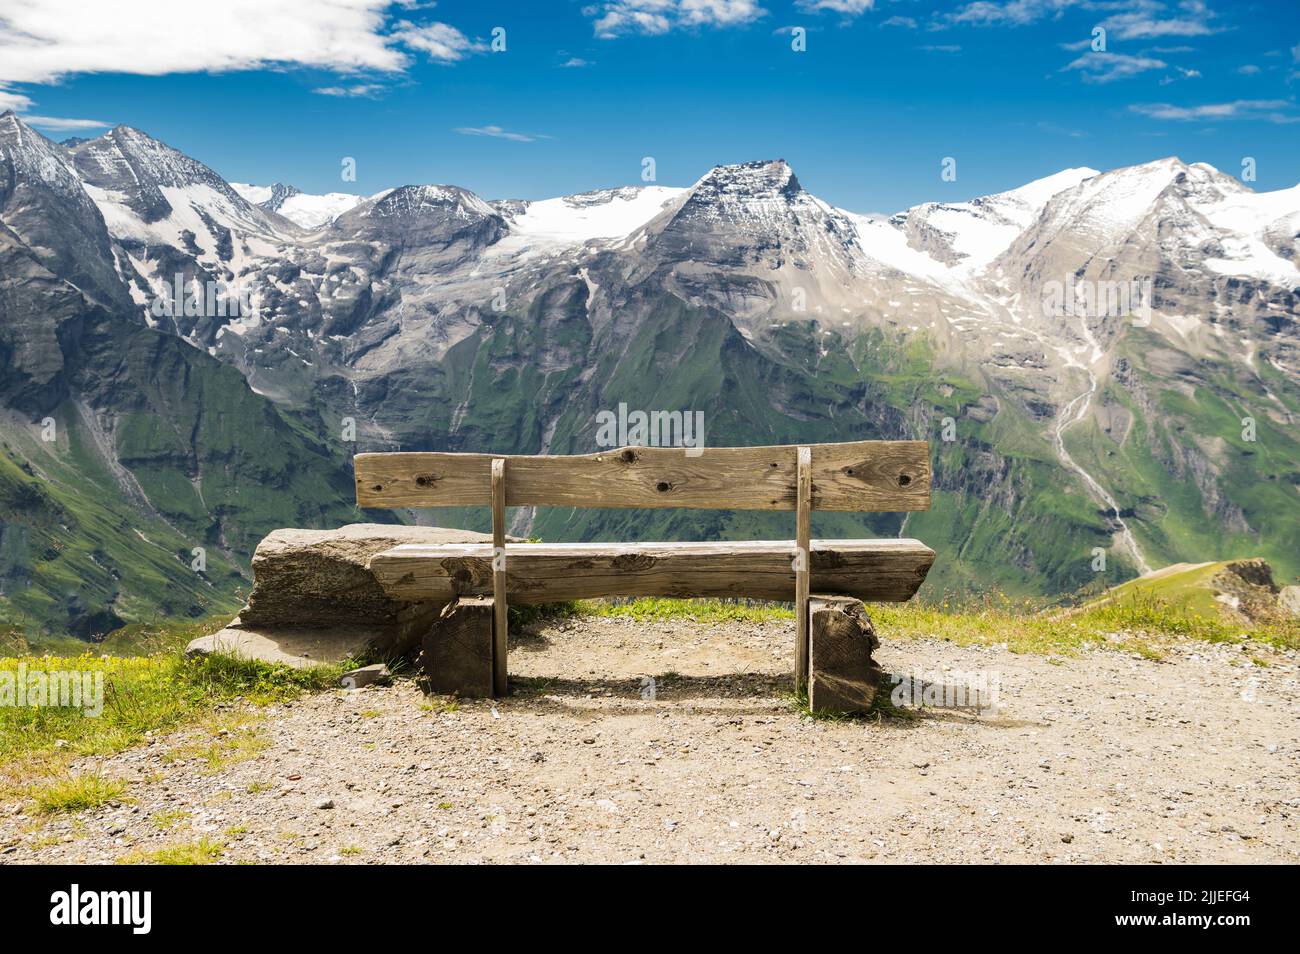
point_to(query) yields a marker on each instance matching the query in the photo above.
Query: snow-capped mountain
(152, 194)
(431, 317)
(971, 234)
(301, 208)
(576, 219)
(749, 237)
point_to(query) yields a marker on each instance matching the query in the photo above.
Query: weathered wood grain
(858, 476)
(500, 629)
(456, 655)
(842, 676)
(803, 535)
(889, 569)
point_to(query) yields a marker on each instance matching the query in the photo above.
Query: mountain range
(1107, 364)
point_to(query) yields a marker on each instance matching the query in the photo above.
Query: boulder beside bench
(315, 600)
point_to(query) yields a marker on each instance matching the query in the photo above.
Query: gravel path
(1102, 757)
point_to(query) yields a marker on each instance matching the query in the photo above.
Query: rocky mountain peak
(759, 177)
(420, 201)
(437, 217)
(746, 294)
(757, 204)
(279, 193)
(140, 171)
(33, 158)
(150, 160)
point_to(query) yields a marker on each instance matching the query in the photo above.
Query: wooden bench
(477, 581)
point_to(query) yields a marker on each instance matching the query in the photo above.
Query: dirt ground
(1104, 757)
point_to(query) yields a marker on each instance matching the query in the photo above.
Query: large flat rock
(315, 601)
(297, 647)
(320, 577)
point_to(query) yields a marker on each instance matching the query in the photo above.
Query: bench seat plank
(858, 476)
(871, 570)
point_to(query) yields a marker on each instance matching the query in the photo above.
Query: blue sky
(265, 90)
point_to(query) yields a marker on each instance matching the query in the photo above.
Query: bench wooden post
(842, 676)
(458, 656)
(803, 557)
(500, 610)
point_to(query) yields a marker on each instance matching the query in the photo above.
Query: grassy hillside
(160, 450)
(1177, 457)
(78, 558)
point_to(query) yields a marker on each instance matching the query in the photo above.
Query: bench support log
(500, 633)
(842, 676)
(802, 557)
(457, 653)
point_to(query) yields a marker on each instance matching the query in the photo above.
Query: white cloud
(575, 63)
(941, 48)
(355, 90)
(11, 100)
(1179, 73)
(1107, 67)
(656, 17)
(719, 12)
(1013, 13)
(59, 124)
(1250, 69)
(906, 22)
(441, 41)
(43, 42)
(1128, 19)
(1270, 110)
(849, 7)
(1147, 21)
(46, 42)
(496, 132)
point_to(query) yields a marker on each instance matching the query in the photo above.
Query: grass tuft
(882, 707)
(75, 793)
(204, 851)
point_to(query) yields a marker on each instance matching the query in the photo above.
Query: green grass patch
(169, 818)
(228, 749)
(701, 611)
(882, 707)
(204, 851)
(141, 694)
(1133, 620)
(74, 793)
(525, 614)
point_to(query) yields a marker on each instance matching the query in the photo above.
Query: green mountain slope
(160, 450)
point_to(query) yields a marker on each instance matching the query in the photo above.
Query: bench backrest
(857, 476)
